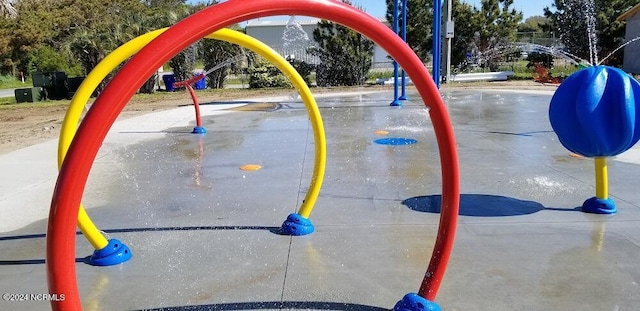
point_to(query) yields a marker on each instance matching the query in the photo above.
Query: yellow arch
(91, 82)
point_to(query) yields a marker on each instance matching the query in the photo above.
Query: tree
(484, 35)
(47, 59)
(183, 63)
(163, 4)
(570, 18)
(478, 32)
(264, 74)
(569, 22)
(303, 68)
(419, 25)
(215, 53)
(38, 23)
(497, 28)
(345, 55)
(84, 30)
(7, 9)
(536, 30)
(464, 16)
(534, 24)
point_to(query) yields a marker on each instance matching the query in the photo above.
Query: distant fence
(538, 38)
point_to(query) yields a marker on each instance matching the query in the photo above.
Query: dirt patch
(26, 124)
(258, 107)
(23, 125)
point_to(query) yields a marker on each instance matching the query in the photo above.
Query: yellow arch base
(91, 82)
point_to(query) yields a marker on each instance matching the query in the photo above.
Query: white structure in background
(631, 63)
(295, 40)
(464, 77)
(277, 35)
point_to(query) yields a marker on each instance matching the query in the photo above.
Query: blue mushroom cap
(596, 112)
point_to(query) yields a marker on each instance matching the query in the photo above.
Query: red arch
(61, 274)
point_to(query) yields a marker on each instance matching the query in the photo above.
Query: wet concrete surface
(202, 230)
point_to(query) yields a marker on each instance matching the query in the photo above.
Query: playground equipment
(113, 251)
(82, 152)
(403, 8)
(437, 50)
(596, 113)
(199, 129)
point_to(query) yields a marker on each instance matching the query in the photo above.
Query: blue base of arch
(396, 103)
(296, 225)
(599, 206)
(114, 253)
(403, 97)
(199, 130)
(414, 302)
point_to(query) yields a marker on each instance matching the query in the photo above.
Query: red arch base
(74, 172)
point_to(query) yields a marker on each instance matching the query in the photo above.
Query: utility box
(41, 79)
(59, 87)
(449, 29)
(73, 83)
(30, 95)
(54, 84)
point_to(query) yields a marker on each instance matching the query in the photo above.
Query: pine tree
(345, 55)
(569, 18)
(7, 9)
(496, 24)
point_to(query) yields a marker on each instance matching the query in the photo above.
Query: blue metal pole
(437, 21)
(396, 101)
(404, 38)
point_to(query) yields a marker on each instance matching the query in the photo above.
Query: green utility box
(41, 79)
(55, 84)
(32, 94)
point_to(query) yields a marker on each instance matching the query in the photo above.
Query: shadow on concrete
(157, 132)
(151, 229)
(231, 102)
(273, 305)
(275, 230)
(193, 228)
(481, 205)
(36, 261)
(521, 134)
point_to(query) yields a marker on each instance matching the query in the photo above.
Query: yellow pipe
(309, 102)
(91, 82)
(74, 112)
(90, 231)
(602, 179)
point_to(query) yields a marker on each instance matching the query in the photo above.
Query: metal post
(396, 101)
(449, 22)
(404, 38)
(437, 20)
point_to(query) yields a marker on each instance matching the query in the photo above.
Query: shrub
(263, 74)
(303, 68)
(47, 59)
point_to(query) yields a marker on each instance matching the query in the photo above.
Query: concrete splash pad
(201, 228)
